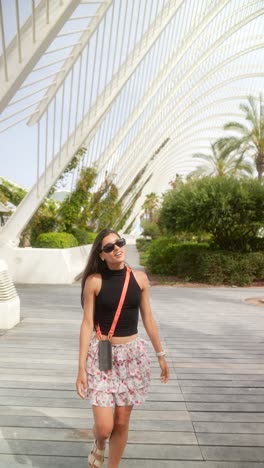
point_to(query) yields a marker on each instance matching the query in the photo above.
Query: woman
(113, 393)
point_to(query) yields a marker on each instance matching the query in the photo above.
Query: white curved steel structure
(143, 84)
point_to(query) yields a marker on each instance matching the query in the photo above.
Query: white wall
(45, 266)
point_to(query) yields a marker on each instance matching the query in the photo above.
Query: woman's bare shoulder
(141, 278)
(93, 282)
(94, 276)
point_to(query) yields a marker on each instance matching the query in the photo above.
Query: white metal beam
(69, 62)
(167, 164)
(138, 162)
(31, 50)
(162, 76)
(157, 83)
(90, 123)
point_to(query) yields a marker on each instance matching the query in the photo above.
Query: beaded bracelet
(161, 353)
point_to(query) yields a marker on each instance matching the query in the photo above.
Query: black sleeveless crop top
(107, 302)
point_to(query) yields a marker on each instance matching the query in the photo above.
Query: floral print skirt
(128, 381)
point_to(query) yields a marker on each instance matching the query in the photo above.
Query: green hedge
(142, 243)
(84, 237)
(56, 240)
(230, 210)
(150, 229)
(200, 263)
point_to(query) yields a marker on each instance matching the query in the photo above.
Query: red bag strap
(119, 308)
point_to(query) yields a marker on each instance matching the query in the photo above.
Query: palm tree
(221, 162)
(250, 142)
(150, 206)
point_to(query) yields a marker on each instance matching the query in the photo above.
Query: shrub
(142, 243)
(44, 220)
(231, 210)
(162, 256)
(56, 240)
(200, 263)
(150, 229)
(256, 244)
(84, 237)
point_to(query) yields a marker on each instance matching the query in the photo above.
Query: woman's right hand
(165, 372)
(81, 383)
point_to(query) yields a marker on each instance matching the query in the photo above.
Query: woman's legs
(103, 424)
(119, 435)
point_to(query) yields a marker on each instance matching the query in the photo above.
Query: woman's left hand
(165, 372)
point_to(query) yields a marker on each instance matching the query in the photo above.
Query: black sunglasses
(107, 248)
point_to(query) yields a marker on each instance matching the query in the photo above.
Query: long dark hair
(94, 263)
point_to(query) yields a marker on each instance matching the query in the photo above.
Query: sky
(16, 156)
(19, 143)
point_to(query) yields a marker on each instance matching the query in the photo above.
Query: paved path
(210, 415)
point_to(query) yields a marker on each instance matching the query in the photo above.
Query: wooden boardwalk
(210, 415)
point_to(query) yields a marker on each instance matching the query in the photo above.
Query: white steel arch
(91, 120)
(32, 39)
(176, 156)
(156, 116)
(131, 77)
(172, 156)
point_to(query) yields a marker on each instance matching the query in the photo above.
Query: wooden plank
(210, 415)
(39, 421)
(83, 435)
(231, 439)
(226, 416)
(76, 449)
(239, 453)
(229, 427)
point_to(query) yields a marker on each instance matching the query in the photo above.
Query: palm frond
(230, 144)
(244, 166)
(222, 143)
(251, 111)
(237, 127)
(199, 155)
(247, 168)
(248, 143)
(206, 157)
(199, 172)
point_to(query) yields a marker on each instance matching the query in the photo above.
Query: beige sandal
(96, 457)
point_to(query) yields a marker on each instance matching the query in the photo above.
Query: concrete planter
(45, 266)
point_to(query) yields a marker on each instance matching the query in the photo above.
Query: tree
(177, 182)
(48, 217)
(74, 211)
(231, 210)
(221, 162)
(3, 198)
(250, 141)
(105, 208)
(11, 192)
(150, 216)
(150, 206)
(43, 221)
(64, 177)
(150, 229)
